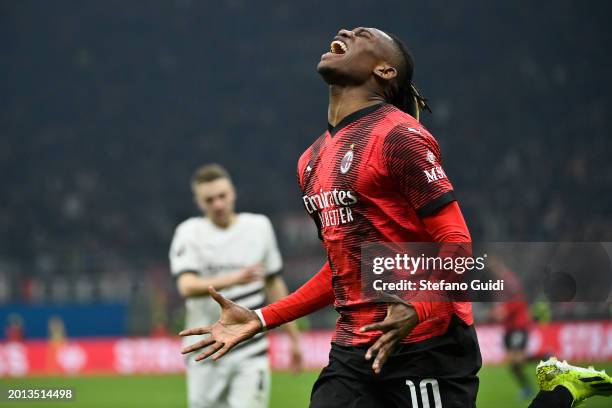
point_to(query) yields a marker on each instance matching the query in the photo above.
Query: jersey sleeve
(413, 161)
(448, 228)
(315, 294)
(273, 262)
(183, 255)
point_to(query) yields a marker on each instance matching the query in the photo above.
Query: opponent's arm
(275, 290)
(190, 284)
(186, 261)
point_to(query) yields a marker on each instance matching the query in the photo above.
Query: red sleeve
(310, 297)
(413, 161)
(447, 227)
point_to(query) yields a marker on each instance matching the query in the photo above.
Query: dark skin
(361, 76)
(360, 73)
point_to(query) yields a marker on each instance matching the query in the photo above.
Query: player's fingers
(385, 326)
(381, 326)
(258, 271)
(380, 343)
(198, 345)
(209, 351)
(256, 275)
(297, 363)
(217, 297)
(195, 330)
(382, 356)
(380, 359)
(255, 267)
(226, 347)
(373, 350)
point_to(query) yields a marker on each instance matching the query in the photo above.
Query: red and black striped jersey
(372, 178)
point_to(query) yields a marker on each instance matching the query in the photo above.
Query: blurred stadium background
(108, 106)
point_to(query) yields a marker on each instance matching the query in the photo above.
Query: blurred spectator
(57, 338)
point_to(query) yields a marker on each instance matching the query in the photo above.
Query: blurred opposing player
(237, 254)
(375, 175)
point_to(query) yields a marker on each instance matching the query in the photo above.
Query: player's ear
(195, 198)
(197, 203)
(385, 71)
(232, 191)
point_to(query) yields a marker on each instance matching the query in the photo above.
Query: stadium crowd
(106, 115)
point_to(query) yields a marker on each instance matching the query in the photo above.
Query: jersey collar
(352, 118)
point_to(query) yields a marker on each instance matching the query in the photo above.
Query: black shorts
(516, 340)
(438, 372)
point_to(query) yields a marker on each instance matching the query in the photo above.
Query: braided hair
(405, 95)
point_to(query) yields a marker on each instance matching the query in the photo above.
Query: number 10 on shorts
(423, 386)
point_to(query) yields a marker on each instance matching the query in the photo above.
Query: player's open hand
(235, 325)
(400, 320)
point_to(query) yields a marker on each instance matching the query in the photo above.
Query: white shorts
(229, 382)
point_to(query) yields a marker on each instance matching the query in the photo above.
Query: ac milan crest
(346, 162)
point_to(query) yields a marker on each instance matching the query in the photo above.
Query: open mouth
(338, 47)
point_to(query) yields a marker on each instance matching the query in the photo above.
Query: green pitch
(288, 391)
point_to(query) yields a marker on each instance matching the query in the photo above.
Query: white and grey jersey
(200, 247)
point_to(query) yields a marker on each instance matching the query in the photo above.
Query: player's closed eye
(363, 33)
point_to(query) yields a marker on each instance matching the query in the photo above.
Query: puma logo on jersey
(431, 157)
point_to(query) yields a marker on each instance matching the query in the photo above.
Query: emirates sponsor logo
(332, 207)
(329, 199)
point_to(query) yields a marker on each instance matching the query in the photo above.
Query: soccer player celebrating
(236, 253)
(375, 175)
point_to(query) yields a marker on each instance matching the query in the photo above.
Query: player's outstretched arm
(315, 294)
(235, 325)
(276, 289)
(238, 323)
